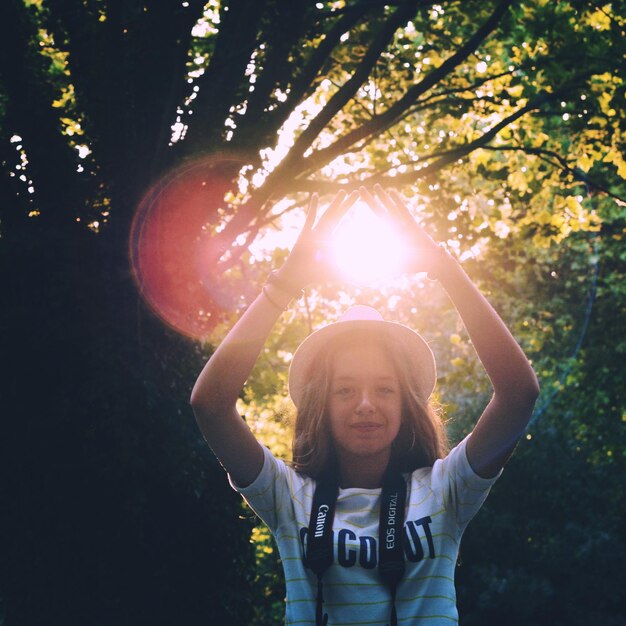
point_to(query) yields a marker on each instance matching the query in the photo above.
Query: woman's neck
(364, 472)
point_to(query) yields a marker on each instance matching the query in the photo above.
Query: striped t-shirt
(440, 502)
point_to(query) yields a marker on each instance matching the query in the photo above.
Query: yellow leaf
(615, 157)
(543, 218)
(599, 19)
(604, 78)
(72, 127)
(573, 205)
(517, 180)
(540, 241)
(558, 221)
(481, 157)
(585, 163)
(600, 122)
(605, 104)
(539, 139)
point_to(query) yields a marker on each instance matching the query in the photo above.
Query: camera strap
(319, 550)
(391, 536)
(319, 547)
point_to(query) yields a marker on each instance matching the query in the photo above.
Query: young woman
(368, 518)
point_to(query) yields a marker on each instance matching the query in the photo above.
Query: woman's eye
(343, 391)
(386, 390)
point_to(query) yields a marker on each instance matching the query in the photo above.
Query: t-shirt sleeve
(269, 495)
(459, 487)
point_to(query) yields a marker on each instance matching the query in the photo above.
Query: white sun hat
(361, 317)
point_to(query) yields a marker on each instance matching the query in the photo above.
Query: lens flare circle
(172, 245)
(366, 248)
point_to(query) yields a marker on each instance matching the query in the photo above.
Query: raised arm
(515, 386)
(215, 393)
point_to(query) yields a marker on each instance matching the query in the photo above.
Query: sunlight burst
(366, 249)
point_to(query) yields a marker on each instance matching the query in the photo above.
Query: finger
(385, 196)
(336, 203)
(349, 201)
(372, 202)
(311, 212)
(394, 203)
(337, 209)
(335, 215)
(399, 201)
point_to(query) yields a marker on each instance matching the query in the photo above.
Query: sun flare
(366, 249)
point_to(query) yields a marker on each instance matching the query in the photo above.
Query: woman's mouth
(366, 427)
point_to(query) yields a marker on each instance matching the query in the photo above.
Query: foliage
(505, 124)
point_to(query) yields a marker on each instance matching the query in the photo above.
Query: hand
(310, 260)
(424, 254)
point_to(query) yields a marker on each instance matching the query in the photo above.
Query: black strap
(319, 546)
(391, 536)
(321, 618)
(319, 549)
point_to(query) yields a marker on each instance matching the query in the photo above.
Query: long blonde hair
(422, 437)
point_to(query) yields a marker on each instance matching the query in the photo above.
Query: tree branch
(280, 40)
(547, 155)
(349, 88)
(128, 105)
(28, 111)
(247, 212)
(391, 115)
(423, 173)
(424, 105)
(455, 154)
(224, 83)
(304, 82)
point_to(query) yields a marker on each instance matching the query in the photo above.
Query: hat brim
(421, 364)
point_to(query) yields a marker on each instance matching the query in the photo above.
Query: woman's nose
(365, 405)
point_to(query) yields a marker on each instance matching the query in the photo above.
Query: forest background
(156, 159)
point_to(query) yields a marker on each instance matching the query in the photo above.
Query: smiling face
(364, 404)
